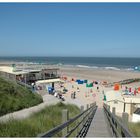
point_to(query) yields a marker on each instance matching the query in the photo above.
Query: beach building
(29, 76)
(136, 115)
(122, 103)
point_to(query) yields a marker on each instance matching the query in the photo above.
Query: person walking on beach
(135, 92)
(97, 88)
(78, 89)
(74, 95)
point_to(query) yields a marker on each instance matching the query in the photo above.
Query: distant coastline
(107, 63)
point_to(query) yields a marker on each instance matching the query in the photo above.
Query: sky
(70, 29)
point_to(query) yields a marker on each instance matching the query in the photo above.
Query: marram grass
(38, 123)
(14, 97)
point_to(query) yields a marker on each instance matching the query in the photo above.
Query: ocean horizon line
(72, 56)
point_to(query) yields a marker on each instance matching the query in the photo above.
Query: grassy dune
(14, 97)
(38, 123)
(135, 128)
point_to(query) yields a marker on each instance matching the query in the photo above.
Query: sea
(111, 63)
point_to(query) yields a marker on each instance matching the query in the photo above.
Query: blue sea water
(87, 62)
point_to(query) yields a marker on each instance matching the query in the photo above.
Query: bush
(38, 123)
(14, 97)
(135, 129)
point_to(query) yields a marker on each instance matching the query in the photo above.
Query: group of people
(59, 95)
(73, 95)
(129, 90)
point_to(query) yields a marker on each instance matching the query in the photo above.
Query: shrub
(14, 97)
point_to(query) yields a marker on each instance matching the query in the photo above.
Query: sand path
(82, 99)
(25, 113)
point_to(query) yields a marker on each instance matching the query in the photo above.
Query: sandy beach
(96, 75)
(84, 96)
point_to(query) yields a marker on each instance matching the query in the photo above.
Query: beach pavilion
(8, 73)
(48, 83)
(122, 103)
(29, 76)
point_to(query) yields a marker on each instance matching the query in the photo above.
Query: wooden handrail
(115, 123)
(60, 127)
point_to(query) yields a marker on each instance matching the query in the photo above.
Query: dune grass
(135, 128)
(38, 123)
(15, 97)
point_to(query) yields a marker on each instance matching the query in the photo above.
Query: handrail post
(82, 109)
(65, 117)
(114, 111)
(125, 122)
(87, 111)
(87, 106)
(108, 107)
(125, 118)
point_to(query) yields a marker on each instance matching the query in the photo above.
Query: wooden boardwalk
(99, 126)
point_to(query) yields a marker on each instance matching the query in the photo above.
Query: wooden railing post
(108, 107)
(87, 111)
(65, 117)
(82, 109)
(87, 106)
(114, 111)
(125, 118)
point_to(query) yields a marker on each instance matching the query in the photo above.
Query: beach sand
(85, 96)
(90, 75)
(97, 75)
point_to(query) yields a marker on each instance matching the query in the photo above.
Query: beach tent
(89, 85)
(85, 81)
(77, 80)
(80, 82)
(138, 89)
(117, 86)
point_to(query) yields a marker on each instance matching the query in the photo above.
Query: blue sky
(70, 29)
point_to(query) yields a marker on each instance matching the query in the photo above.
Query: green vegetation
(135, 128)
(14, 97)
(38, 123)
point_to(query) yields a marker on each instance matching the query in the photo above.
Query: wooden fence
(73, 127)
(119, 128)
